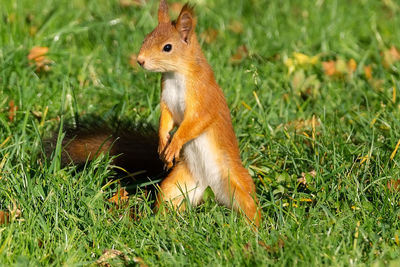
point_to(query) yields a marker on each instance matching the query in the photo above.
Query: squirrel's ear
(163, 16)
(186, 22)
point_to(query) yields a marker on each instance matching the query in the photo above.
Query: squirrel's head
(167, 46)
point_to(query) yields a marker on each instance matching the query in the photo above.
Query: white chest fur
(203, 165)
(173, 94)
(198, 152)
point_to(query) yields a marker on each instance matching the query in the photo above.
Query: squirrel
(203, 151)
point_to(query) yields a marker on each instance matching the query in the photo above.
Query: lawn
(313, 88)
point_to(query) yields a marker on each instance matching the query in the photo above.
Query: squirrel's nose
(140, 60)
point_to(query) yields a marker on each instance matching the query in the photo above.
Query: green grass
(350, 216)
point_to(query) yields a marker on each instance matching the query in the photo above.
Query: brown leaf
(110, 254)
(329, 67)
(4, 217)
(302, 180)
(38, 53)
(241, 53)
(209, 36)
(38, 56)
(390, 56)
(339, 68)
(119, 197)
(12, 111)
(394, 53)
(368, 72)
(236, 26)
(11, 214)
(393, 185)
(140, 261)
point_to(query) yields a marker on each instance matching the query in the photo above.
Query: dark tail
(135, 150)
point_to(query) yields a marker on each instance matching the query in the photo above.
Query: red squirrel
(204, 146)
(203, 151)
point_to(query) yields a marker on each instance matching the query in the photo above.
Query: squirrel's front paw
(172, 152)
(163, 142)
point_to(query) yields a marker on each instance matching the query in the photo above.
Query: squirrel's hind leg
(179, 185)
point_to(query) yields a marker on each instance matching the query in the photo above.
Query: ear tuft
(186, 22)
(163, 16)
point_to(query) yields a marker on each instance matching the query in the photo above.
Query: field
(313, 88)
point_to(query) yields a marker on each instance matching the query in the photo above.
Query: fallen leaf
(209, 35)
(352, 65)
(241, 53)
(393, 185)
(290, 64)
(4, 217)
(38, 114)
(303, 59)
(110, 254)
(12, 111)
(368, 72)
(298, 80)
(305, 86)
(339, 67)
(11, 214)
(236, 26)
(329, 67)
(38, 56)
(303, 178)
(38, 53)
(140, 261)
(390, 56)
(300, 60)
(313, 173)
(120, 197)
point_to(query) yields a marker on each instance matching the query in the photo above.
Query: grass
(345, 215)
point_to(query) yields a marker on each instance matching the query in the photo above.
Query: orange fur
(192, 101)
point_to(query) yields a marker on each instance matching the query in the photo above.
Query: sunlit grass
(319, 151)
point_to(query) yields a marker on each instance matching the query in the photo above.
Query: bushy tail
(135, 150)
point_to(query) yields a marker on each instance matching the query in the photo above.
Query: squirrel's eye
(167, 48)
